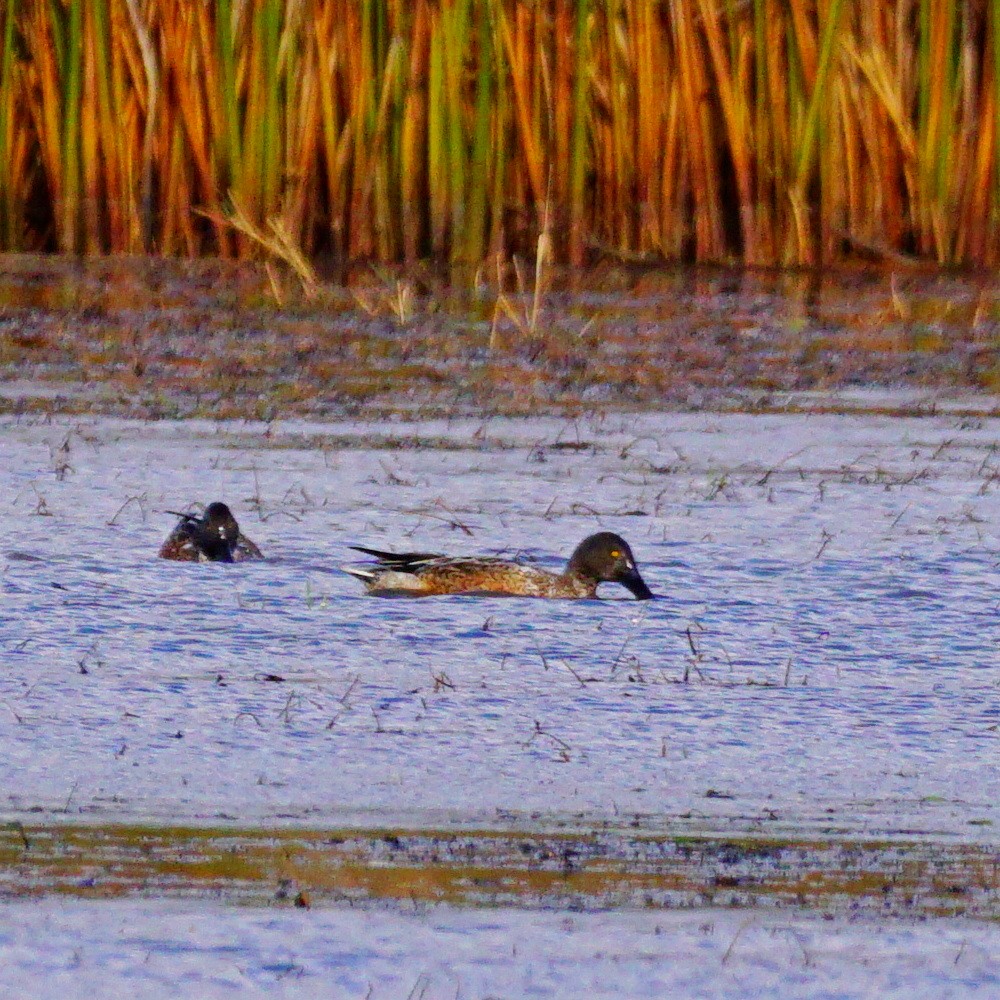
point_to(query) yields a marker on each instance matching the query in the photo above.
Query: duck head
(219, 532)
(607, 558)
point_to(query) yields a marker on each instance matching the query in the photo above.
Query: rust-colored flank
(601, 558)
(212, 537)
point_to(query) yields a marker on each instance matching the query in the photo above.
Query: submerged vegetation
(496, 867)
(767, 131)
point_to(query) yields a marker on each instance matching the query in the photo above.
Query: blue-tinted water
(824, 653)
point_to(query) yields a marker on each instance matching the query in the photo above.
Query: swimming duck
(601, 558)
(211, 537)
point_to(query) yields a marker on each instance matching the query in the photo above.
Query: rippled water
(144, 949)
(824, 655)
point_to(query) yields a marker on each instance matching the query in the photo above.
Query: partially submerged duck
(210, 537)
(601, 558)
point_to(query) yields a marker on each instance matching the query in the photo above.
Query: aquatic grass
(394, 296)
(524, 318)
(795, 132)
(276, 239)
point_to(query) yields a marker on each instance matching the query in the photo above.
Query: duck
(210, 537)
(601, 558)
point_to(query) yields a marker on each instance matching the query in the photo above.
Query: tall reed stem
(767, 131)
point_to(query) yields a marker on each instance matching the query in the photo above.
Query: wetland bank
(804, 724)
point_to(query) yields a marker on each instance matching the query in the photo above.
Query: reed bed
(771, 132)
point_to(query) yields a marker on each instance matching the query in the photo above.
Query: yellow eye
(615, 553)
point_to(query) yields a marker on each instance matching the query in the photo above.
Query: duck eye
(615, 553)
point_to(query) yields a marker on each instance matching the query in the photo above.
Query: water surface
(823, 657)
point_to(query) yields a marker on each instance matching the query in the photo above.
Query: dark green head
(219, 533)
(606, 558)
(219, 518)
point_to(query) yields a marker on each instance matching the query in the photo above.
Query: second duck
(212, 537)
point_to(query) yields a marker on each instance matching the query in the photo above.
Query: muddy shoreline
(404, 867)
(156, 339)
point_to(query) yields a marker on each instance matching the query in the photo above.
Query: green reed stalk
(90, 179)
(622, 131)
(72, 74)
(763, 132)
(473, 248)
(807, 237)
(229, 146)
(502, 128)
(378, 191)
(361, 115)
(107, 173)
(925, 96)
(412, 132)
(437, 138)
(810, 131)
(926, 108)
(699, 128)
(940, 153)
(10, 201)
(455, 25)
(388, 61)
(334, 136)
(269, 135)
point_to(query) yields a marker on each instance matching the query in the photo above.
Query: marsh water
(811, 701)
(821, 657)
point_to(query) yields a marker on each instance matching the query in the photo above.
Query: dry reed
(767, 131)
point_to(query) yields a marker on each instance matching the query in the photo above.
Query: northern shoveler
(601, 558)
(211, 537)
